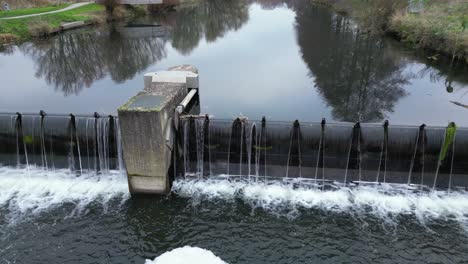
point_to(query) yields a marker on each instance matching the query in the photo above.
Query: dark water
(143, 228)
(279, 59)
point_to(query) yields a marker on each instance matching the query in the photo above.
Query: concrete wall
(146, 128)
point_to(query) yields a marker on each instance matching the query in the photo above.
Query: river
(284, 60)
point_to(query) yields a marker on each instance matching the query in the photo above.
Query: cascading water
(387, 170)
(53, 141)
(309, 158)
(48, 160)
(342, 154)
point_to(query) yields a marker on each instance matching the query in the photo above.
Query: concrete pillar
(146, 128)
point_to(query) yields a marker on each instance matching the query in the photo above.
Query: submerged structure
(159, 135)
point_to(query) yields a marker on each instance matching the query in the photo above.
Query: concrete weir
(146, 122)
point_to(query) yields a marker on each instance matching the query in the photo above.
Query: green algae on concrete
(448, 141)
(146, 124)
(145, 102)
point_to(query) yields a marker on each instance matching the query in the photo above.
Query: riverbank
(438, 27)
(34, 10)
(22, 29)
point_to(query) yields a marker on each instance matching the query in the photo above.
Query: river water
(56, 217)
(282, 60)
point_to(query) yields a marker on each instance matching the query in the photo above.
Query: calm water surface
(283, 60)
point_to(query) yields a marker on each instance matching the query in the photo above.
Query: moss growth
(448, 141)
(28, 139)
(263, 148)
(212, 146)
(128, 107)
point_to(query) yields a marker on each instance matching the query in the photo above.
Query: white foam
(187, 255)
(32, 190)
(385, 201)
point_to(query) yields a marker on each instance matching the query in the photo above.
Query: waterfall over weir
(319, 154)
(80, 143)
(323, 154)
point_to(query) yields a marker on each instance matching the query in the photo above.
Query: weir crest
(160, 136)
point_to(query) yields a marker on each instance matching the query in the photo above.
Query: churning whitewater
(32, 190)
(385, 201)
(185, 255)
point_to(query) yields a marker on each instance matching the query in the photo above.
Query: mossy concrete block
(71, 25)
(145, 123)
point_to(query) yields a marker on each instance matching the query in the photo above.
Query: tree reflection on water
(72, 61)
(359, 76)
(208, 19)
(75, 60)
(353, 72)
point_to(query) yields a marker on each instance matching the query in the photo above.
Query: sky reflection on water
(283, 60)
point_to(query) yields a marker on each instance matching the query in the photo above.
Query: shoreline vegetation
(13, 31)
(35, 10)
(439, 27)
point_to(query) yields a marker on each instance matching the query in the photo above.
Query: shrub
(39, 28)
(7, 38)
(96, 19)
(110, 5)
(119, 12)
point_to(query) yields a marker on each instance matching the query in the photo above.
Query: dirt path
(72, 6)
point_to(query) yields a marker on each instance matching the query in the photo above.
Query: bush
(39, 28)
(375, 15)
(96, 19)
(7, 38)
(110, 5)
(119, 12)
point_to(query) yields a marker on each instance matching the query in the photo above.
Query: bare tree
(110, 5)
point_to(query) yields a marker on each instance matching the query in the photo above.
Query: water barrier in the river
(51, 141)
(157, 138)
(322, 153)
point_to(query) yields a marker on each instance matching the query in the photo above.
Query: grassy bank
(19, 4)
(25, 28)
(29, 11)
(22, 29)
(440, 26)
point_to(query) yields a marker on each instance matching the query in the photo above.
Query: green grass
(442, 26)
(20, 27)
(448, 141)
(30, 11)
